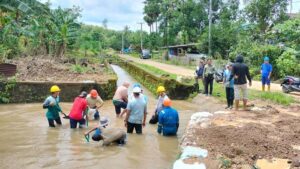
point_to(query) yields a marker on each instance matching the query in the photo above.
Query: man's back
(79, 106)
(169, 119)
(137, 107)
(240, 72)
(121, 93)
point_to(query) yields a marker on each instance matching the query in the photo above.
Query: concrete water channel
(26, 141)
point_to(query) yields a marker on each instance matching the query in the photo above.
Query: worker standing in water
(159, 106)
(136, 112)
(94, 102)
(120, 98)
(168, 119)
(78, 111)
(52, 104)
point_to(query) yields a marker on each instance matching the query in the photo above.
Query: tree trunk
(156, 26)
(61, 50)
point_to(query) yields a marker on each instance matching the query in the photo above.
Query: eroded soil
(51, 69)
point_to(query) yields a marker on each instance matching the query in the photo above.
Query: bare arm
(145, 116)
(93, 129)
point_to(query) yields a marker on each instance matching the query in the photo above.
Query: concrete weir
(37, 91)
(28, 92)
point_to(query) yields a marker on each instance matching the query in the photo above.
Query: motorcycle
(219, 75)
(290, 84)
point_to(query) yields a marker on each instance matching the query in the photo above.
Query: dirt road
(181, 71)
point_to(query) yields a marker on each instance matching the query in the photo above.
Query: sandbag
(113, 135)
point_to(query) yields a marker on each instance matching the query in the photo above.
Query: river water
(26, 141)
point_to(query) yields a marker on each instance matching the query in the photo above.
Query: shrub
(288, 64)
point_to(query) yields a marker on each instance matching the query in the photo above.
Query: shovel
(87, 137)
(65, 116)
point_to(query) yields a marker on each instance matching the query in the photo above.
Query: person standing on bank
(52, 104)
(208, 76)
(240, 73)
(136, 113)
(266, 72)
(120, 98)
(199, 74)
(229, 85)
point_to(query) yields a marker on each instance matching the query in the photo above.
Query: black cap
(83, 94)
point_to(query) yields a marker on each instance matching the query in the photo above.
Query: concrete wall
(27, 92)
(175, 89)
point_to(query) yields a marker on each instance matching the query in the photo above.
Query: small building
(185, 50)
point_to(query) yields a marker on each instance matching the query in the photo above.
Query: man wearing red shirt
(78, 110)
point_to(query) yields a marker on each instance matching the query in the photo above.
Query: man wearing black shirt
(240, 72)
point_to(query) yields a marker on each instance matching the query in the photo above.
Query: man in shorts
(240, 73)
(266, 72)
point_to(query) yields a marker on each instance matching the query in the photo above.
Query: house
(189, 51)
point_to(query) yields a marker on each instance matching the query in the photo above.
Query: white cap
(103, 121)
(136, 90)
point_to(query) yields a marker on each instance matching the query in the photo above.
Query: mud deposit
(51, 69)
(245, 137)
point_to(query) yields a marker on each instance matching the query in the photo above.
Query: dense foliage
(260, 28)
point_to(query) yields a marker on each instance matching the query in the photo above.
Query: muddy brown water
(26, 141)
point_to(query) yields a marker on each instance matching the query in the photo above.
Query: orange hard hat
(167, 102)
(94, 93)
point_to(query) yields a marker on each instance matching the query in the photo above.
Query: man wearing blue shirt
(266, 72)
(136, 112)
(168, 119)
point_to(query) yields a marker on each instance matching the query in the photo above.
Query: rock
(296, 162)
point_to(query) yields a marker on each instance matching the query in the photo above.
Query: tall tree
(266, 13)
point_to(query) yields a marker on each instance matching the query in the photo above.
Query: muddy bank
(59, 70)
(242, 138)
(35, 76)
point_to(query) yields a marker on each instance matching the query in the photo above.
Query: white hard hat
(137, 90)
(104, 121)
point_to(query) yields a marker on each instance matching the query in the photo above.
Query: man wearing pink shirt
(120, 98)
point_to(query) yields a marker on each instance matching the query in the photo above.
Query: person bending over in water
(108, 135)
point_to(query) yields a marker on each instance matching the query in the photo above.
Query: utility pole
(141, 34)
(291, 7)
(122, 42)
(210, 22)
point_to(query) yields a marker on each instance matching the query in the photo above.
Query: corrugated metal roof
(179, 46)
(8, 70)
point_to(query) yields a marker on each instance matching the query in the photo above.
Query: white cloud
(118, 12)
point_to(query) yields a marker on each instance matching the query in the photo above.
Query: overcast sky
(118, 12)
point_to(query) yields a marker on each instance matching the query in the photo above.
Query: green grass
(80, 69)
(275, 97)
(155, 71)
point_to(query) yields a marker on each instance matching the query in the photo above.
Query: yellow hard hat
(160, 89)
(54, 88)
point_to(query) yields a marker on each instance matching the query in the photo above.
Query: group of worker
(235, 79)
(133, 105)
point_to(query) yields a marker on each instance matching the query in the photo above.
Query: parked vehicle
(290, 84)
(219, 75)
(145, 54)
